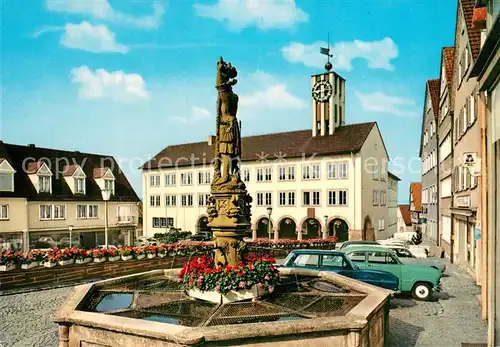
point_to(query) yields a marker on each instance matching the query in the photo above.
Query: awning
(466, 212)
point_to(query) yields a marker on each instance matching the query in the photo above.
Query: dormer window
(80, 185)
(41, 176)
(110, 185)
(105, 179)
(6, 176)
(75, 178)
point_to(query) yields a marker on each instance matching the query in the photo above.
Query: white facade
(345, 193)
(392, 203)
(401, 224)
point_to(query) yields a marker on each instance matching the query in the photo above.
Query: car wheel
(421, 291)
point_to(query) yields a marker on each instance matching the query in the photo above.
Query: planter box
(140, 256)
(114, 258)
(83, 261)
(49, 264)
(100, 260)
(127, 257)
(232, 296)
(162, 255)
(66, 262)
(7, 267)
(29, 266)
(151, 256)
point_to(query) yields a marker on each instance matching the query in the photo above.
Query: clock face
(322, 91)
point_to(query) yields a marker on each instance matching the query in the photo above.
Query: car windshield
(335, 261)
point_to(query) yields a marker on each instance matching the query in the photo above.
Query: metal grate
(156, 317)
(156, 284)
(332, 305)
(324, 286)
(293, 301)
(185, 308)
(150, 299)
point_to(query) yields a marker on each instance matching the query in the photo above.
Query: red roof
(405, 213)
(277, 146)
(33, 167)
(416, 194)
(473, 33)
(434, 86)
(448, 56)
(69, 170)
(99, 172)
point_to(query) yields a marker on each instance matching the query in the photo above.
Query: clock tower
(328, 103)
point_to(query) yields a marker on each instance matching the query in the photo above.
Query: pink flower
(271, 289)
(260, 285)
(267, 278)
(242, 285)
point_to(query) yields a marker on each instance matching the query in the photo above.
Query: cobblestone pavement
(453, 318)
(26, 319)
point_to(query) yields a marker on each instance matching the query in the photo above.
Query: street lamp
(325, 230)
(106, 194)
(269, 211)
(70, 228)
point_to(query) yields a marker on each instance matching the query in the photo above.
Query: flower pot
(27, 266)
(162, 255)
(232, 296)
(66, 262)
(127, 257)
(115, 258)
(140, 256)
(83, 261)
(151, 256)
(100, 260)
(49, 264)
(172, 253)
(9, 267)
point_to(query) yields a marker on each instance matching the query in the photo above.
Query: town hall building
(331, 180)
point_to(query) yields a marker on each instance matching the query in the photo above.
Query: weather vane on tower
(326, 51)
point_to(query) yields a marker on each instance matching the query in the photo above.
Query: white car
(407, 257)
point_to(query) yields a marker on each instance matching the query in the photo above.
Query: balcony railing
(125, 220)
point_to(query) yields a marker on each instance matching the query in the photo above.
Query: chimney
(211, 140)
(31, 145)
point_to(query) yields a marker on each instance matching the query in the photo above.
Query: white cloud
(95, 39)
(271, 94)
(101, 84)
(239, 14)
(197, 114)
(101, 9)
(380, 102)
(378, 54)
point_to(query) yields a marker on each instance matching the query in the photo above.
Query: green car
(418, 280)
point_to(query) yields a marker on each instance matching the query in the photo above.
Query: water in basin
(161, 319)
(115, 301)
(287, 318)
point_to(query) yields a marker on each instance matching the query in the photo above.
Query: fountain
(226, 299)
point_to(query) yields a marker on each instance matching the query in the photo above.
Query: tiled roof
(473, 33)
(346, 139)
(405, 213)
(69, 170)
(416, 193)
(33, 167)
(56, 161)
(394, 176)
(433, 86)
(448, 57)
(99, 172)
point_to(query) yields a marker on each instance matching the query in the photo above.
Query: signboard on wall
(462, 201)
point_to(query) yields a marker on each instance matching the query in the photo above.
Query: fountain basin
(310, 307)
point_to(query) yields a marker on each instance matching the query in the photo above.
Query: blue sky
(128, 78)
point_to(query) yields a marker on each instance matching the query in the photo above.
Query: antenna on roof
(326, 51)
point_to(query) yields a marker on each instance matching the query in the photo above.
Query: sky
(127, 78)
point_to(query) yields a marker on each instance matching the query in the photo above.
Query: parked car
(349, 243)
(407, 257)
(147, 241)
(201, 236)
(336, 261)
(418, 280)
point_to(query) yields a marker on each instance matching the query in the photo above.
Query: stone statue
(228, 136)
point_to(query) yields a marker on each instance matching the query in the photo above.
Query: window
(332, 198)
(342, 195)
(203, 199)
(342, 170)
(310, 172)
(375, 198)
(154, 201)
(465, 122)
(186, 179)
(204, 177)
(445, 149)
(156, 222)
(311, 198)
(4, 212)
(79, 185)
(170, 200)
(109, 185)
(357, 257)
(287, 198)
(44, 182)
(246, 175)
(260, 199)
(170, 179)
(446, 187)
(332, 170)
(269, 199)
(306, 260)
(264, 174)
(186, 200)
(381, 224)
(81, 211)
(59, 212)
(381, 258)
(6, 182)
(45, 212)
(154, 180)
(383, 200)
(472, 109)
(375, 171)
(287, 173)
(335, 261)
(93, 211)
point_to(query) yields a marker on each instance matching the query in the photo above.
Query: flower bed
(288, 244)
(203, 275)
